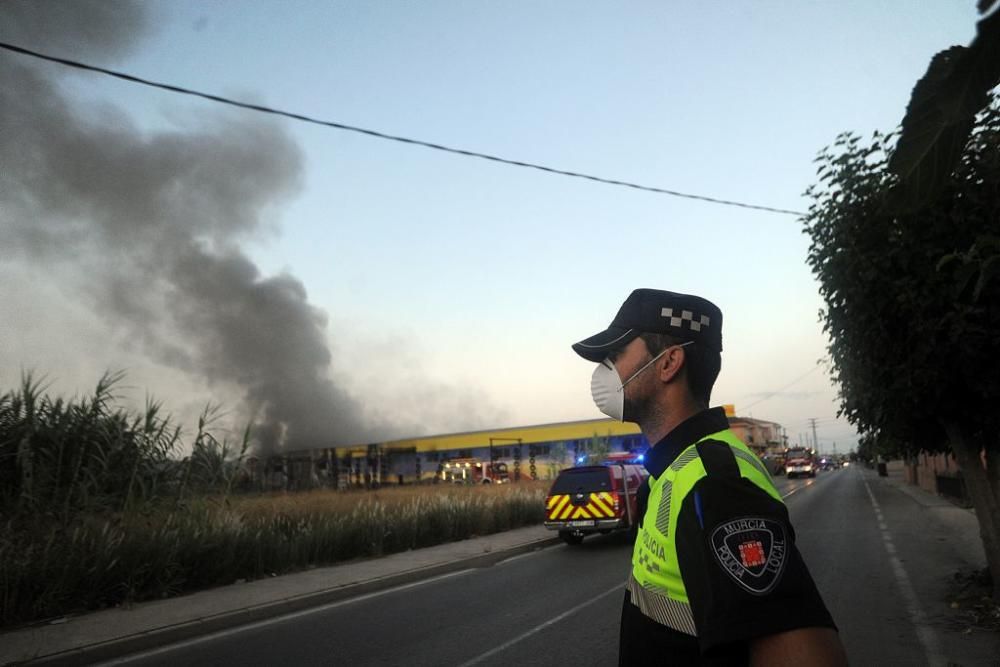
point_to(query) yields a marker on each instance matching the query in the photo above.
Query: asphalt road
(560, 605)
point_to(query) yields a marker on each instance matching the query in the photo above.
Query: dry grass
(155, 551)
(343, 502)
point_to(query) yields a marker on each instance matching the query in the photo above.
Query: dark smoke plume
(151, 225)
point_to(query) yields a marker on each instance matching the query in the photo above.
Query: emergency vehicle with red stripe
(590, 499)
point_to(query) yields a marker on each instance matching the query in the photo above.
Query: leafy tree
(942, 111)
(558, 453)
(913, 305)
(597, 447)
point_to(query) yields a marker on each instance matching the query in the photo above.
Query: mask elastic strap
(645, 366)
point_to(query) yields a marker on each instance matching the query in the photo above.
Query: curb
(117, 648)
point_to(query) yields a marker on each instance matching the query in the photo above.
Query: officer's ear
(671, 364)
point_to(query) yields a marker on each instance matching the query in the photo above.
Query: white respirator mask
(608, 390)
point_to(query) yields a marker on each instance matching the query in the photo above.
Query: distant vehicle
(800, 461)
(623, 457)
(474, 471)
(594, 499)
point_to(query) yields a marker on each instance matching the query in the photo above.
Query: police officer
(715, 577)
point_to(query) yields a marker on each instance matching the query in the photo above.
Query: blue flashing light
(640, 458)
(581, 459)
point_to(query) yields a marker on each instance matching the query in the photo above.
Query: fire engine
(474, 471)
(800, 461)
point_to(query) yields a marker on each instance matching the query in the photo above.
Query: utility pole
(812, 421)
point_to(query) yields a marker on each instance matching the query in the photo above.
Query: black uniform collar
(685, 434)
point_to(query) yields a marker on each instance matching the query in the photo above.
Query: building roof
(752, 421)
(537, 433)
(575, 430)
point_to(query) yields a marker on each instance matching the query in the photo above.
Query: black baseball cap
(684, 316)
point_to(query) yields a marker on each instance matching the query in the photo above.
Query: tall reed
(97, 508)
(59, 457)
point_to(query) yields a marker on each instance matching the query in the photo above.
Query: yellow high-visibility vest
(655, 582)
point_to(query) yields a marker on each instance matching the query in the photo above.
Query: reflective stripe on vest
(655, 583)
(661, 608)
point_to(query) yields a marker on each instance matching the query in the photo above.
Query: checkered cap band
(686, 318)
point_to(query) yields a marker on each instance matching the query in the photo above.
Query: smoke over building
(148, 226)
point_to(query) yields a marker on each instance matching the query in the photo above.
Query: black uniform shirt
(736, 552)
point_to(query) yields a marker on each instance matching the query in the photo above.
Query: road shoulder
(935, 539)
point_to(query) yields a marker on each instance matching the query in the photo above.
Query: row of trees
(905, 243)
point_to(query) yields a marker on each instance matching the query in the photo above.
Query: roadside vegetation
(103, 506)
(905, 245)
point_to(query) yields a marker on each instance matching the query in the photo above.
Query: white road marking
(314, 610)
(618, 588)
(799, 488)
(925, 633)
(524, 555)
(277, 619)
(502, 647)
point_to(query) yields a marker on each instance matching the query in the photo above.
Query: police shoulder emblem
(752, 550)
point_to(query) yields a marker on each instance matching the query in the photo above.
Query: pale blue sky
(464, 282)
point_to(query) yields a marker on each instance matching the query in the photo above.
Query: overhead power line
(819, 420)
(772, 394)
(382, 135)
